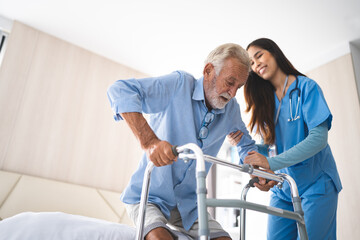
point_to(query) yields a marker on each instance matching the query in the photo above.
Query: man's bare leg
(159, 234)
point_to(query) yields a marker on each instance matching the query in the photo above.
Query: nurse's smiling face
(263, 62)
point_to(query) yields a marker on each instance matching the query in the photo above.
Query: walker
(193, 152)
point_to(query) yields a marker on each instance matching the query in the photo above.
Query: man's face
(220, 89)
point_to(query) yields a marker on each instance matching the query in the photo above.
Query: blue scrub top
(311, 174)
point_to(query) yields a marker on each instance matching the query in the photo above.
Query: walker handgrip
(175, 152)
(253, 180)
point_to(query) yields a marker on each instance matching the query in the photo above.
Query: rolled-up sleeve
(124, 96)
(246, 144)
(147, 95)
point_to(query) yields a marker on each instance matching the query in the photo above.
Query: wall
(337, 81)
(355, 54)
(55, 119)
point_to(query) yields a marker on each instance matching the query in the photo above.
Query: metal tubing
(200, 188)
(198, 155)
(202, 208)
(143, 201)
(243, 212)
(291, 181)
(232, 203)
(244, 168)
(267, 175)
(241, 167)
(296, 205)
(222, 162)
(203, 203)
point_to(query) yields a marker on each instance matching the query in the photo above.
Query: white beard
(214, 98)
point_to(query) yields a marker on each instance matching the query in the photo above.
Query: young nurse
(291, 115)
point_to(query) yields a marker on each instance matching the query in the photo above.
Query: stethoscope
(296, 116)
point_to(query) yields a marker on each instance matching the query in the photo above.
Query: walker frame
(184, 153)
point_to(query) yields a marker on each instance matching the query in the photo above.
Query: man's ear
(208, 70)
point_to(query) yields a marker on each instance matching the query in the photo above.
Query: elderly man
(182, 110)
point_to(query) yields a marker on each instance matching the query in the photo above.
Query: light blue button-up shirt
(176, 105)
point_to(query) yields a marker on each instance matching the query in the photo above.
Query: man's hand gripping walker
(193, 152)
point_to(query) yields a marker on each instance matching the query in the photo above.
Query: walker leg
(143, 202)
(243, 213)
(301, 225)
(202, 206)
(296, 200)
(243, 210)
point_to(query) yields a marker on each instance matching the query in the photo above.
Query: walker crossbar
(203, 202)
(234, 203)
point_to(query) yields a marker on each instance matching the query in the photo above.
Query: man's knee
(159, 234)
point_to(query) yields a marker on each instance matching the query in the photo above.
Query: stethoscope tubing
(296, 89)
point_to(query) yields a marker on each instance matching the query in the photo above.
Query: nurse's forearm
(311, 145)
(141, 129)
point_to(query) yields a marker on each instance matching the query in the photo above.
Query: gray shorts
(155, 218)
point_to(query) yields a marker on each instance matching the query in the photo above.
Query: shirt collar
(198, 94)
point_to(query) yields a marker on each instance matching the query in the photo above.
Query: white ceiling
(160, 36)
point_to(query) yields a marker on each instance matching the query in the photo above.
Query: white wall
(337, 81)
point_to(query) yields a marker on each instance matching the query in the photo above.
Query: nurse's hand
(263, 184)
(257, 159)
(235, 137)
(160, 153)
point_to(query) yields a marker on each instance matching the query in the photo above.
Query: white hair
(229, 50)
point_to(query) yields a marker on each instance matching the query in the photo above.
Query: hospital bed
(193, 152)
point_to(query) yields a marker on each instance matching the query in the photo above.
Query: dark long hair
(259, 93)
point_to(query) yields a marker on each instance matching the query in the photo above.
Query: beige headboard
(23, 193)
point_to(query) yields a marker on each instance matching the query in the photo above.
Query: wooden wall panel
(337, 81)
(13, 82)
(64, 128)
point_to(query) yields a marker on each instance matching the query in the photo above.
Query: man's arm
(130, 98)
(159, 152)
(244, 142)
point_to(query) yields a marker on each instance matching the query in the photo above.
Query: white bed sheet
(63, 226)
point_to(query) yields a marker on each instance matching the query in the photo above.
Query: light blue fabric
(314, 174)
(311, 145)
(176, 106)
(263, 149)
